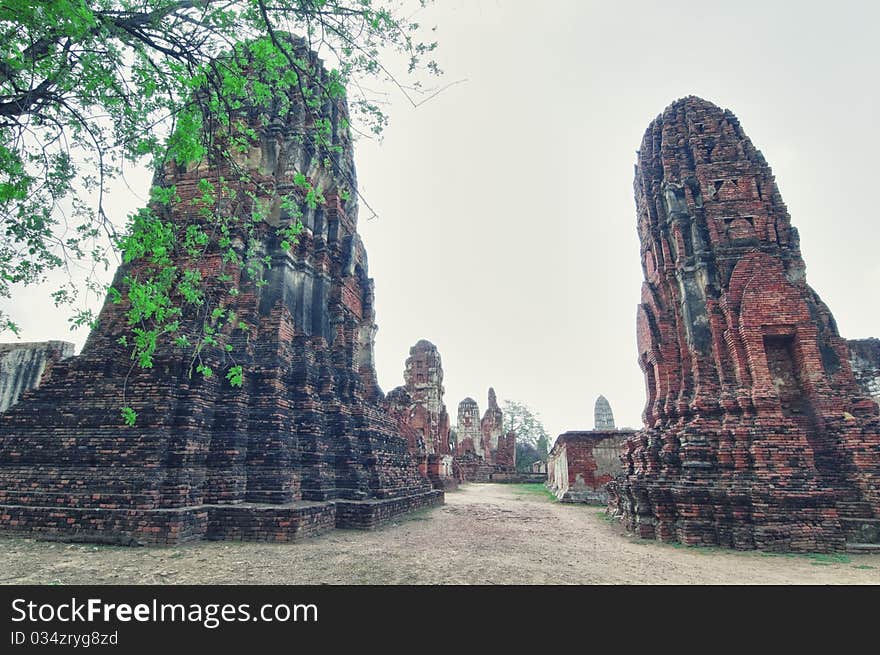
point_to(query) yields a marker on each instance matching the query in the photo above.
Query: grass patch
(864, 567)
(602, 514)
(824, 559)
(535, 490)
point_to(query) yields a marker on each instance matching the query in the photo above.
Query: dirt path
(484, 534)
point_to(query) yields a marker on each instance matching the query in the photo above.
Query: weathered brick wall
(756, 433)
(473, 468)
(582, 463)
(864, 358)
(307, 425)
(370, 514)
(24, 365)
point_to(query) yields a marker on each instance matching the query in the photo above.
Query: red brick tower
(302, 446)
(756, 434)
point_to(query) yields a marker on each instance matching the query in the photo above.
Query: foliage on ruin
(90, 88)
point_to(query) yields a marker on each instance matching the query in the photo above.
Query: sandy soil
(484, 534)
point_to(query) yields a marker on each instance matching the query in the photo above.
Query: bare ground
(485, 534)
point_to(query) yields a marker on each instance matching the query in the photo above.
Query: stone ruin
(24, 365)
(483, 451)
(864, 358)
(582, 462)
(491, 428)
(304, 445)
(421, 414)
(603, 417)
(467, 429)
(756, 434)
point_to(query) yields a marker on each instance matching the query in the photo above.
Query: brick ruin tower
(421, 413)
(756, 434)
(603, 417)
(422, 406)
(491, 428)
(468, 428)
(303, 446)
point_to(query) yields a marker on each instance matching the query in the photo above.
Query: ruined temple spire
(756, 434)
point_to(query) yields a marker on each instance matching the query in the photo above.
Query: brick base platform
(370, 514)
(243, 521)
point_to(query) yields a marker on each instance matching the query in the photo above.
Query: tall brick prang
(303, 445)
(491, 428)
(467, 429)
(422, 405)
(756, 434)
(421, 413)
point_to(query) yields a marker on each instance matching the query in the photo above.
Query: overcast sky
(506, 230)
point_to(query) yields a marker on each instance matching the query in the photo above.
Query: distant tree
(532, 440)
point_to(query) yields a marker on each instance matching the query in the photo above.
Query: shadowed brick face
(756, 433)
(303, 446)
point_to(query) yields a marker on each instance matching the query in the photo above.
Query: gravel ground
(485, 534)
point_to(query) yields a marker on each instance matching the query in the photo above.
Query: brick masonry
(756, 434)
(304, 445)
(582, 463)
(483, 453)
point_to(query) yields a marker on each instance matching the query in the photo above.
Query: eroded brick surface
(266, 461)
(582, 463)
(756, 433)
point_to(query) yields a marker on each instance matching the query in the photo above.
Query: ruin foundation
(756, 433)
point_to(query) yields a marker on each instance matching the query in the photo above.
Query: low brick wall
(270, 523)
(126, 527)
(243, 521)
(518, 478)
(582, 463)
(370, 514)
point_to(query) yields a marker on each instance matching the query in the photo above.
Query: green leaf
(129, 416)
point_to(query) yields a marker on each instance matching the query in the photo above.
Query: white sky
(506, 231)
